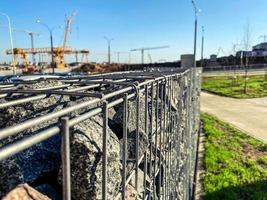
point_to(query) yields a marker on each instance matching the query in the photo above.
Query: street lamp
(197, 11)
(108, 41)
(202, 47)
(11, 41)
(51, 42)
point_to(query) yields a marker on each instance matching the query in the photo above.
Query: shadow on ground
(252, 191)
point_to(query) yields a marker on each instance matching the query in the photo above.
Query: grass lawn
(234, 87)
(235, 164)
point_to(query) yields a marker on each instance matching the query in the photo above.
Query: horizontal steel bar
(54, 92)
(23, 144)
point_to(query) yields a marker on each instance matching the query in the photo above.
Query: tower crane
(219, 51)
(67, 28)
(32, 35)
(149, 57)
(58, 52)
(148, 48)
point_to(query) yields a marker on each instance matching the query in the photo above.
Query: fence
(141, 132)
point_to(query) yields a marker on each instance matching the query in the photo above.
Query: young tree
(247, 40)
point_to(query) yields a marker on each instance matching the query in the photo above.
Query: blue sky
(134, 24)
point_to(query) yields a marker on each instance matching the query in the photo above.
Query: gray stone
(28, 165)
(86, 160)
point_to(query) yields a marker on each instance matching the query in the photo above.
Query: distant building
(244, 54)
(260, 49)
(187, 61)
(213, 58)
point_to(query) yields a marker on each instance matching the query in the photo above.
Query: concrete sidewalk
(249, 115)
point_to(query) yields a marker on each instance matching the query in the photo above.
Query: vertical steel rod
(151, 139)
(147, 133)
(65, 156)
(160, 138)
(156, 139)
(124, 155)
(137, 140)
(104, 147)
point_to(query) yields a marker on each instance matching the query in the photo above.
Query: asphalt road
(249, 115)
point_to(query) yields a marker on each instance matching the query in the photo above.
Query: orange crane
(58, 52)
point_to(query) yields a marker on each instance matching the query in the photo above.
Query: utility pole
(108, 41)
(51, 43)
(202, 47)
(197, 11)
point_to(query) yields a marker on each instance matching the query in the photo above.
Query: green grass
(235, 164)
(234, 86)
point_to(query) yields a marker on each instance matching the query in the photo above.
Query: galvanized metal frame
(158, 159)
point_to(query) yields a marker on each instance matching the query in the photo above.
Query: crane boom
(67, 28)
(148, 48)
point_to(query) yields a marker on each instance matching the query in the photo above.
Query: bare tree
(247, 40)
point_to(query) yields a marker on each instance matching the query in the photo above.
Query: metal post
(108, 41)
(151, 141)
(52, 51)
(156, 140)
(65, 156)
(160, 138)
(196, 11)
(137, 140)
(168, 133)
(202, 47)
(142, 56)
(11, 42)
(124, 154)
(104, 147)
(108, 52)
(32, 46)
(165, 137)
(147, 133)
(195, 42)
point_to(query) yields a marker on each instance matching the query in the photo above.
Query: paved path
(249, 115)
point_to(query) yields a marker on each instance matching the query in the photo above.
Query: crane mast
(67, 29)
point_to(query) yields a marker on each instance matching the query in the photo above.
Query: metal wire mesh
(160, 118)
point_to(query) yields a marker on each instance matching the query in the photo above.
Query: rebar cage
(158, 132)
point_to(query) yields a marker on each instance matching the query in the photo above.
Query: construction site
(101, 131)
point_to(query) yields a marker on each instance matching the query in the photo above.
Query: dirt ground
(249, 115)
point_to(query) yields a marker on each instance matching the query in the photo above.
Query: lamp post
(51, 43)
(108, 41)
(196, 10)
(11, 41)
(202, 47)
